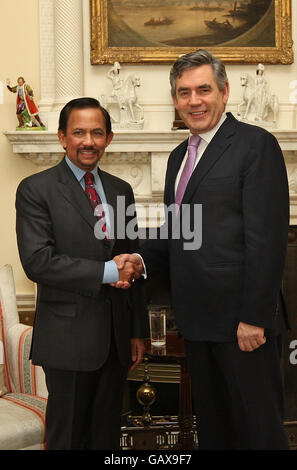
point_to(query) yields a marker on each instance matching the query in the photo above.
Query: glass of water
(157, 317)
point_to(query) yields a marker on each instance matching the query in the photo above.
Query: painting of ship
(159, 22)
(188, 23)
(216, 25)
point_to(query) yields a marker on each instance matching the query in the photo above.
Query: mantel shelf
(23, 141)
(43, 147)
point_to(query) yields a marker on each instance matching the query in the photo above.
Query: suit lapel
(111, 198)
(71, 190)
(214, 151)
(172, 171)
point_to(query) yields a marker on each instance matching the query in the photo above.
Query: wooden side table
(174, 349)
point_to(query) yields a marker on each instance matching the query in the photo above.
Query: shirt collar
(78, 172)
(207, 136)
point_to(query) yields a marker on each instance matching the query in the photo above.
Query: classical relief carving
(43, 158)
(291, 164)
(128, 165)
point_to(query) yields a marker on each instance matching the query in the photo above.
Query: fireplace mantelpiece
(140, 157)
(29, 143)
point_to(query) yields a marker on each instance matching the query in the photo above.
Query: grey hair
(196, 59)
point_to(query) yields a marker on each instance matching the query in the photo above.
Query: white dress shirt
(206, 137)
(111, 273)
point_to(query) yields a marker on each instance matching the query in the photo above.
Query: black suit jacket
(235, 275)
(59, 251)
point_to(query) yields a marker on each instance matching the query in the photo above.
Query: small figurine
(122, 104)
(261, 93)
(117, 83)
(259, 105)
(27, 110)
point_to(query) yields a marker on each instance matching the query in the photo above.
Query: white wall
(154, 93)
(19, 43)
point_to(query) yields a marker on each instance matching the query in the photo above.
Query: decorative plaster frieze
(124, 143)
(127, 142)
(291, 165)
(44, 159)
(137, 175)
(118, 158)
(141, 158)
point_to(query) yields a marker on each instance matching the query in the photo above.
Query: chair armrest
(25, 377)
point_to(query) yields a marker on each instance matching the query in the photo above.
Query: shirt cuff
(144, 274)
(111, 273)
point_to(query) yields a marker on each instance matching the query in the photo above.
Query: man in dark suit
(225, 290)
(84, 330)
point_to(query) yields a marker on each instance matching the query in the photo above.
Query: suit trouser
(84, 408)
(238, 397)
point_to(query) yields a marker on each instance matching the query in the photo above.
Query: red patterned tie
(95, 200)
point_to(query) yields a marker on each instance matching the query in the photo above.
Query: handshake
(130, 267)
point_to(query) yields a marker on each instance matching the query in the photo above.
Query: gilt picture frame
(144, 31)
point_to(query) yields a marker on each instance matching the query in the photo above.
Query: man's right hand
(250, 337)
(130, 268)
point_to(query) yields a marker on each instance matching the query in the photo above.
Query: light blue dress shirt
(111, 273)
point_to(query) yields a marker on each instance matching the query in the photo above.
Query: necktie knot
(188, 169)
(95, 201)
(89, 178)
(194, 141)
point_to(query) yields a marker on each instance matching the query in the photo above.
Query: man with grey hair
(226, 295)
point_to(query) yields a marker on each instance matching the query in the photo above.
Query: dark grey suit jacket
(241, 183)
(58, 250)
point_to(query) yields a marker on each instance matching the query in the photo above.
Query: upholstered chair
(23, 393)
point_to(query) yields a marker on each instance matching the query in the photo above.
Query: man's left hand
(250, 337)
(137, 350)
